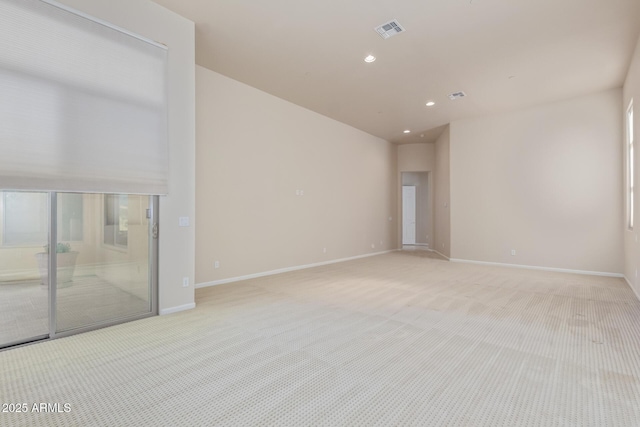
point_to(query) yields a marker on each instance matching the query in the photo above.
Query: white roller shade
(82, 104)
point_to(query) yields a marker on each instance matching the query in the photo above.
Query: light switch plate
(183, 221)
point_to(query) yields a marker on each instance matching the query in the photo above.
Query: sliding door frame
(152, 215)
(153, 211)
(154, 222)
(53, 263)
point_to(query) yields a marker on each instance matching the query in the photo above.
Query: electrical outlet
(216, 264)
(373, 246)
(324, 250)
(513, 252)
(183, 221)
(380, 242)
(185, 282)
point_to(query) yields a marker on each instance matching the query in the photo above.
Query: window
(630, 172)
(24, 218)
(70, 217)
(116, 220)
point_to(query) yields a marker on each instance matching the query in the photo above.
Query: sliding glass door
(70, 262)
(24, 301)
(104, 274)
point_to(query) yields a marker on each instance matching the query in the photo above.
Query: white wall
(545, 181)
(176, 244)
(631, 91)
(416, 157)
(254, 151)
(442, 195)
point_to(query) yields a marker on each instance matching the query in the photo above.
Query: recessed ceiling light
(370, 58)
(407, 131)
(430, 104)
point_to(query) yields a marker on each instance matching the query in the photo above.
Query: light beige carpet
(398, 339)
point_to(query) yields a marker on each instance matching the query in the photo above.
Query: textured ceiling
(505, 54)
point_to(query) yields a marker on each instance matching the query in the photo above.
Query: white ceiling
(311, 52)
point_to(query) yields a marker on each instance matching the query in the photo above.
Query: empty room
(239, 212)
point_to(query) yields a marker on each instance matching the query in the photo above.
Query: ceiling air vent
(389, 29)
(457, 95)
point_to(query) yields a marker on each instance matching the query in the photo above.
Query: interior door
(408, 215)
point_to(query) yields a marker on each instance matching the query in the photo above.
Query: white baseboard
(441, 254)
(287, 269)
(632, 288)
(430, 250)
(177, 309)
(532, 267)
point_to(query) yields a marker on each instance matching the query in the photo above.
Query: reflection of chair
(66, 267)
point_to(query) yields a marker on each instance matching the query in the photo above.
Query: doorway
(417, 219)
(71, 262)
